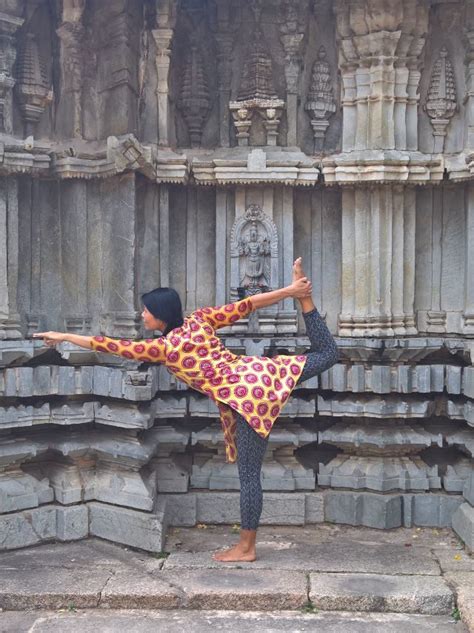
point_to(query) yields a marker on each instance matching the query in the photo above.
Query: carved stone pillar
(118, 29)
(469, 66)
(111, 254)
(292, 34)
(71, 33)
(9, 318)
(429, 235)
(224, 40)
(74, 242)
(380, 46)
(469, 281)
(8, 26)
(378, 261)
(163, 34)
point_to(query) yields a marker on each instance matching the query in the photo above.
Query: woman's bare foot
(307, 304)
(244, 550)
(298, 271)
(235, 554)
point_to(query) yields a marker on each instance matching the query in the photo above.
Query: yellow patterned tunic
(256, 387)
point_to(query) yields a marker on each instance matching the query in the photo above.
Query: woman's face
(150, 322)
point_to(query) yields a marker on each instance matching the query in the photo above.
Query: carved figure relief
(253, 245)
(255, 251)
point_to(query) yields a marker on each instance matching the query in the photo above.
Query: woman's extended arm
(299, 289)
(51, 338)
(148, 350)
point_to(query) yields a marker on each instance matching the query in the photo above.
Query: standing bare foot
(298, 271)
(235, 554)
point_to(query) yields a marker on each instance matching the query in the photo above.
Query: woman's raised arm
(299, 289)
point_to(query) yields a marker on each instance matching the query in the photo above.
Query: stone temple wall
(189, 143)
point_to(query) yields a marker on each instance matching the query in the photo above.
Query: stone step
(234, 589)
(174, 621)
(379, 592)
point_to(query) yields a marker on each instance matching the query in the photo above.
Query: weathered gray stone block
(170, 407)
(454, 375)
(181, 510)
(433, 510)
(314, 507)
(378, 592)
(461, 411)
(28, 527)
(463, 524)
(283, 509)
(128, 416)
(379, 381)
(458, 474)
(373, 406)
(218, 507)
(130, 527)
(468, 491)
(72, 523)
(379, 473)
(468, 382)
(371, 510)
(19, 490)
(200, 406)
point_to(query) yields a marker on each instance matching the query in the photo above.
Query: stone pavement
(325, 577)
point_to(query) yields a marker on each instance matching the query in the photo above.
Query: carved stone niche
(257, 93)
(254, 261)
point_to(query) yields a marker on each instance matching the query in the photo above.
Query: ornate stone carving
(8, 26)
(254, 243)
(292, 28)
(163, 34)
(320, 104)
(380, 45)
(194, 101)
(441, 101)
(255, 251)
(257, 91)
(32, 88)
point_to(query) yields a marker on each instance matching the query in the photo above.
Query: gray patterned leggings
(251, 447)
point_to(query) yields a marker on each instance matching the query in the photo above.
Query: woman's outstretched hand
(301, 288)
(50, 338)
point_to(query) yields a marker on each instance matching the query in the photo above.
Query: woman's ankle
(307, 305)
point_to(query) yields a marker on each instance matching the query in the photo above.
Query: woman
(249, 391)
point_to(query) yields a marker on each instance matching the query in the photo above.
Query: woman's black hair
(164, 304)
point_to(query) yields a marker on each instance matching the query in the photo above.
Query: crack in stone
(112, 574)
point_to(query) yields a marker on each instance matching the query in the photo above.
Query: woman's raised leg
(323, 352)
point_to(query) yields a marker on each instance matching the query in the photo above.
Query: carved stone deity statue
(255, 250)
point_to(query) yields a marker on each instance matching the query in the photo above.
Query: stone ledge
(244, 589)
(376, 592)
